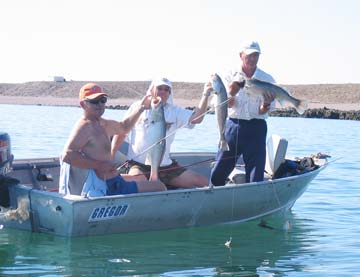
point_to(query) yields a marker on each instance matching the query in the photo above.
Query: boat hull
(50, 212)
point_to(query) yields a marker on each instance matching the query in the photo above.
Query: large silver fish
(281, 95)
(155, 136)
(221, 109)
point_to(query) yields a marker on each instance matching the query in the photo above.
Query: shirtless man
(89, 145)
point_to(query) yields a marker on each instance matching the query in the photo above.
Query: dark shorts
(166, 173)
(118, 185)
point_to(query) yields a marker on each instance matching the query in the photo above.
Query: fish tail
(154, 176)
(301, 106)
(223, 145)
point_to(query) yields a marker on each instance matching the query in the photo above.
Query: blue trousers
(247, 138)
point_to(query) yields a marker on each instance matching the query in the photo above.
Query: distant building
(59, 79)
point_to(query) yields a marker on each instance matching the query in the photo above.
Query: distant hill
(317, 93)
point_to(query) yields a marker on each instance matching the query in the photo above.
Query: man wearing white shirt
(176, 117)
(246, 127)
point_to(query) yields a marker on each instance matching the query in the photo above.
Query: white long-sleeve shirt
(175, 117)
(246, 106)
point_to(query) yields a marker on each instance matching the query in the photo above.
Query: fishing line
(236, 156)
(332, 161)
(228, 243)
(172, 133)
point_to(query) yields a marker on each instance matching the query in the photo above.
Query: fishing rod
(187, 165)
(177, 167)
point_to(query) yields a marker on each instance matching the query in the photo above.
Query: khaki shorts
(166, 173)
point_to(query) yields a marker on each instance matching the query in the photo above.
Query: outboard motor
(6, 159)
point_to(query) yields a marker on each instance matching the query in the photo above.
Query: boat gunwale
(229, 186)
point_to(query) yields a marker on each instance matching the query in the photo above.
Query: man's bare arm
(199, 113)
(72, 153)
(116, 142)
(123, 127)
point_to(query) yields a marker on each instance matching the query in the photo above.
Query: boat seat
(237, 176)
(275, 153)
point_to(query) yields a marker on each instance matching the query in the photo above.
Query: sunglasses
(96, 101)
(164, 88)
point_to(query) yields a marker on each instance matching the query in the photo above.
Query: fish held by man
(221, 109)
(156, 136)
(281, 95)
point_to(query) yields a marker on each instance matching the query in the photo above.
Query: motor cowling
(6, 157)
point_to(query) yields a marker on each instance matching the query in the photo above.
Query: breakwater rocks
(318, 113)
(117, 107)
(290, 112)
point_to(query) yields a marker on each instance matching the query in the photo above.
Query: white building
(59, 79)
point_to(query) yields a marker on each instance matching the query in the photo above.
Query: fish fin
(301, 106)
(223, 145)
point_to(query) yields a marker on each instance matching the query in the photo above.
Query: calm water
(323, 238)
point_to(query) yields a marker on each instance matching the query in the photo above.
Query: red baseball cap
(91, 91)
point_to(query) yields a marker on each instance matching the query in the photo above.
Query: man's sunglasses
(96, 101)
(163, 88)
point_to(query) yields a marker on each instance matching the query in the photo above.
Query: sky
(302, 42)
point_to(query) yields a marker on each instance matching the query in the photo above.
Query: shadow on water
(182, 252)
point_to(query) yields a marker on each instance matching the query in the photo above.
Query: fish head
(217, 83)
(252, 87)
(239, 77)
(156, 102)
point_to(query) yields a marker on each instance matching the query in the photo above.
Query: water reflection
(185, 252)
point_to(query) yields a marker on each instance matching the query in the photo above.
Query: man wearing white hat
(170, 172)
(246, 127)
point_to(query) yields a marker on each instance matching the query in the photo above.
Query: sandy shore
(57, 101)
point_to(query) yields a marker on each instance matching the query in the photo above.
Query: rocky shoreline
(318, 113)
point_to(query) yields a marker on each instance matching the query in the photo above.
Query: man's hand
(234, 87)
(268, 98)
(237, 83)
(106, 169)
(146, 102)
(208, 89)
